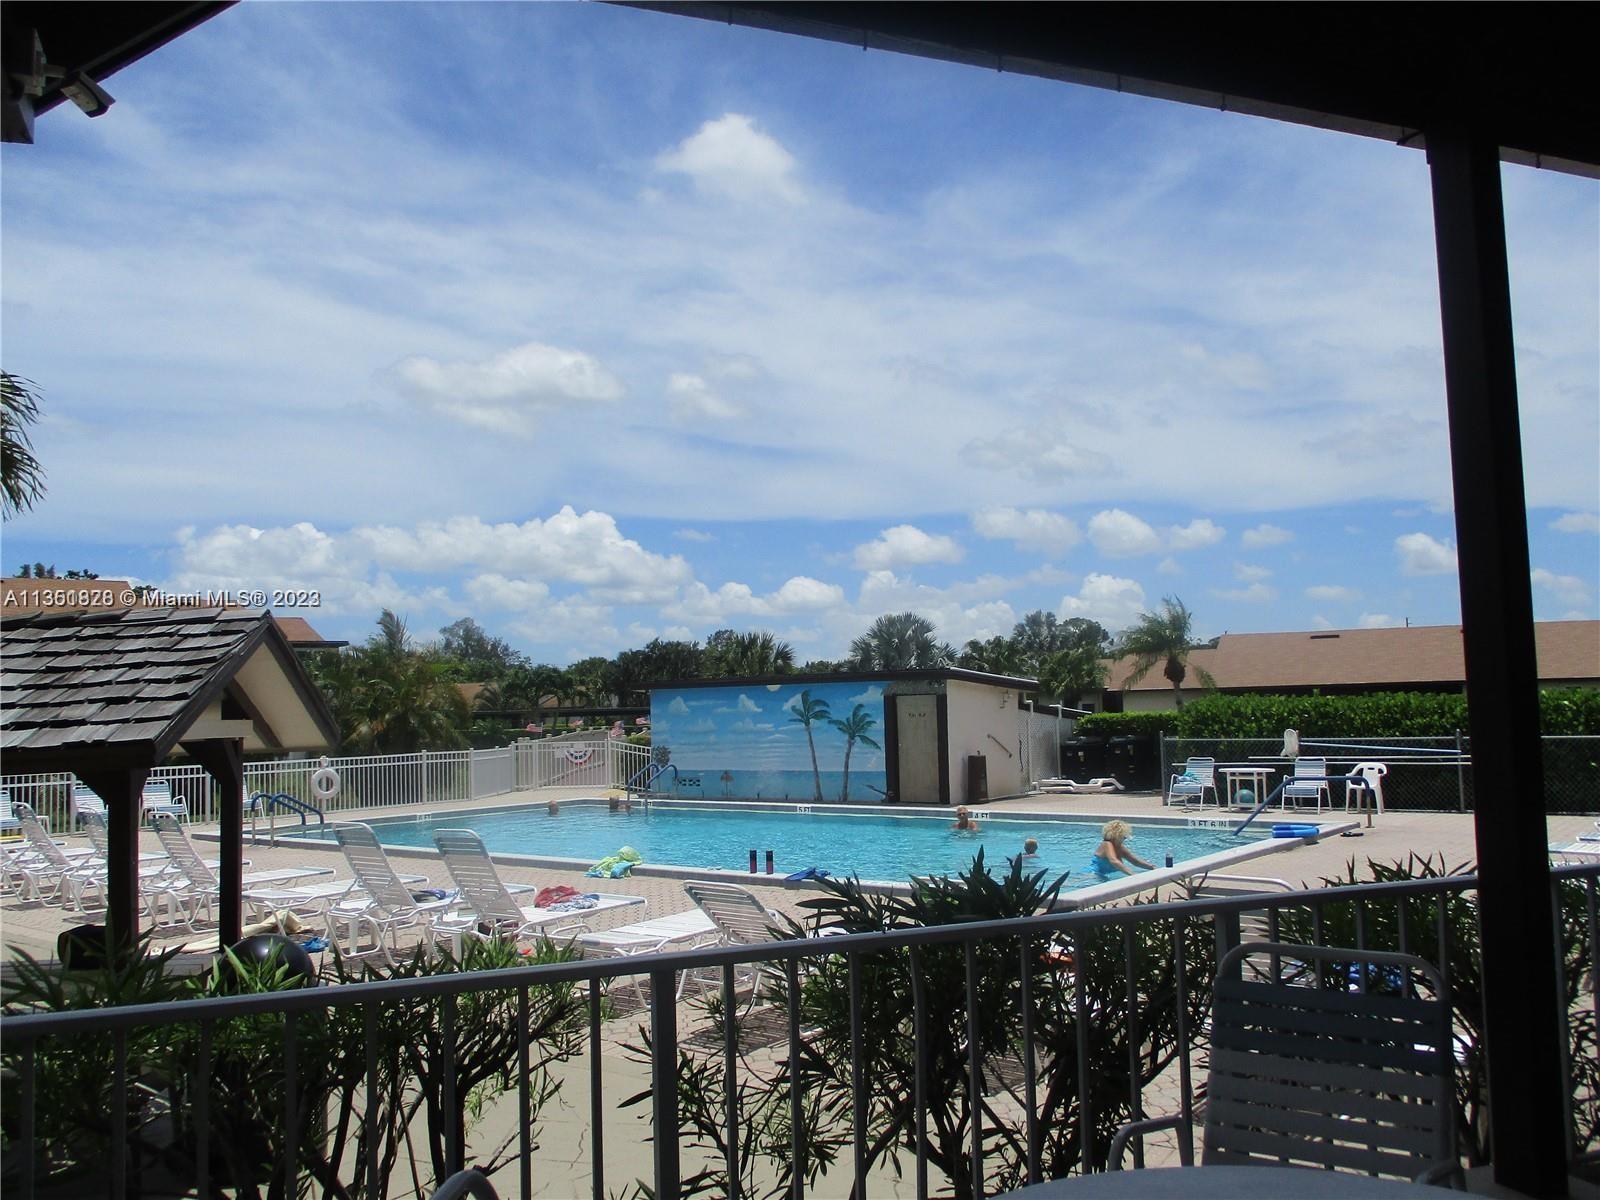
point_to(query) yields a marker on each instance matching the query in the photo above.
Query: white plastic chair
(158, 798)
(678, 931)
(1309, 782)
(1369, 789)
(387, 906)
(741, 920)
(1199, 776)
(490, 902)
(85, 800)
(48, 873)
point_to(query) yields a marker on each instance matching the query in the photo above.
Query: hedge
(1375, 714)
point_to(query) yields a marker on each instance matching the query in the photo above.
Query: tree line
(395, 694)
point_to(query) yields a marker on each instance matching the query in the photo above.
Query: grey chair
(1310, 1070)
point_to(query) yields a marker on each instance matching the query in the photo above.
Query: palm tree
(806, 712)
(854, 727)
(729, 654)
(21, 476)
(899, 642)
(1163, 637)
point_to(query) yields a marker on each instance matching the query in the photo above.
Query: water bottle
(1169, 858)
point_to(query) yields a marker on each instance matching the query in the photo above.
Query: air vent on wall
(1322, 637)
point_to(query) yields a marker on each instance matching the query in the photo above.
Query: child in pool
(1113, 855)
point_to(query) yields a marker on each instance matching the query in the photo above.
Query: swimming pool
(875, 845)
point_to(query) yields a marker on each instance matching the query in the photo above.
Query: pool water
(879, 847)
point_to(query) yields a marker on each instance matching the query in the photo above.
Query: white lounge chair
(48, 873)
(1368, 790)
(1199, 776)
(8, 819)
(85, 800)
(385, 905)
(741, 920)
(492, 908)
(679, 931)
(158, 799)
(1309, 782)
(197, 874)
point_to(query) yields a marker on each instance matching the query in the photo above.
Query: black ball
(261, 947)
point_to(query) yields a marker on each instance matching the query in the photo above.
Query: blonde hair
(1116, 831)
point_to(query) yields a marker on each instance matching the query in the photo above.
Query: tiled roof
(1568, 651)
(112, 678)
(24, 598)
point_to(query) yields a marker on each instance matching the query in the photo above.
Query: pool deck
(1394, 835)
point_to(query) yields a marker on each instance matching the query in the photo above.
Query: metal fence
(372, 781)
(991, 1054)
(1425, 773)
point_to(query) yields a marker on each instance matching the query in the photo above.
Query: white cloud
(1376, 621)
(507, 392)
(1043, 457)
(905, 545)
(1249, 573)
(1196, 535)
(1119, 534)
(1423, 555)
(1264, 535)
(1169, 566)
(1577, 522)
(1332, 591)
(1568, 589)
(495, 591)
(730, 155)
(693, 535)
(1036, 529)
(1321, 622)
(872, 695)
(678, 708)
(698, 604)
(693, 400)
(1256, 593)
(1114, 602)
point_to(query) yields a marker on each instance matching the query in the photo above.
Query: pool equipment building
(942, 736)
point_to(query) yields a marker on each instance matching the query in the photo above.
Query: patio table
(1227, 1183)
(1261, 777)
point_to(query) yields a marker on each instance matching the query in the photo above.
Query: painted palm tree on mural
(854, 727)
(1163, 637)
(808, 712)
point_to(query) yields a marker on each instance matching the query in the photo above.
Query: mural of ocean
(714, 783)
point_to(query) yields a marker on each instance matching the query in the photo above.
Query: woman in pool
(1113, 855)
(964, 822)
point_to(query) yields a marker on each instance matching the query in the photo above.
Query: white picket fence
(375, 781)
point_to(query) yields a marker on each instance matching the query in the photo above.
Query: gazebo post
(223, 759)
(1519, 938)
(123, 792)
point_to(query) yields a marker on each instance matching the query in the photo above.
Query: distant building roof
(137, 682)
(25, 597)
(1568, 652)
(1011, 681)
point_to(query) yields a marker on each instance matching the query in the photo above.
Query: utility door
(918, 729)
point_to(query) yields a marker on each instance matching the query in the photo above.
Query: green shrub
(1139, 724)
(1374, 714)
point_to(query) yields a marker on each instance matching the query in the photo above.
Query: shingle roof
(21, 597)
(117, 678)
(1568, 651)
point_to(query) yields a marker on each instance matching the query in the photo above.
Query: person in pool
(1113, 855)
(964, 822)
(1030, 848)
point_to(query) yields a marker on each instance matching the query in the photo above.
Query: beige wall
(918, 735)
(1161, 700)
(976, 711)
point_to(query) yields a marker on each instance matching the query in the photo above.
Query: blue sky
(599, 325)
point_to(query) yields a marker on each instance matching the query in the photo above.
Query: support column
(1520, 996)
(223, 760)
(123, 791)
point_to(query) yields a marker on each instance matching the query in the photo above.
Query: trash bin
(1083, 758)
(977, 778)
(1134, 761)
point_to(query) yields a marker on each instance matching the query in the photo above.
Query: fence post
(472, 774)
(1161, 739)
(422, 762)
(1461, 777)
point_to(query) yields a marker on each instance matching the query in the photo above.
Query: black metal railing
(1062, 990)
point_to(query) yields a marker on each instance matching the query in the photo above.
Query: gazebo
(111, 695)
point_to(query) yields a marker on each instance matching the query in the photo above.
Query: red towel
(554, 895)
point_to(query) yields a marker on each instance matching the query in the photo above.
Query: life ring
(325, 782)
